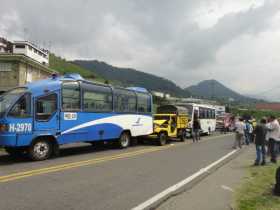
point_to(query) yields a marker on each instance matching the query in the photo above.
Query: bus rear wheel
(40, 150)
(162, 139)
(124, 140)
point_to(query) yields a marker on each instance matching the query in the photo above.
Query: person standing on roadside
(247, 131)
(239, 133)
(251, 132)
(273, 128)
(196, 129)
(260, 135)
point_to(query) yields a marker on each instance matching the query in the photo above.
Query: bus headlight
(4, 128)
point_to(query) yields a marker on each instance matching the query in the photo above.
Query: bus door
(20, 122)
(46, 113)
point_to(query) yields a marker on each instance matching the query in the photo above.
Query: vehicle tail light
(3, 128)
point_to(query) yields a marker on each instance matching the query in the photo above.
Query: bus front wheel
(41, 149)
(124, 140)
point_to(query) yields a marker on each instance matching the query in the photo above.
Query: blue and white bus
(40, 116)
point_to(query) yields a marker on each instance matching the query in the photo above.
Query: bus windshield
(8, 99)
(161, 117)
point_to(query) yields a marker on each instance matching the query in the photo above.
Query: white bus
(206, 115)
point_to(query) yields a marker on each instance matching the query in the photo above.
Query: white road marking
(227, 188)
(180, 184)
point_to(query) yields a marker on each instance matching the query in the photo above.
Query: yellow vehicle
(170, 122)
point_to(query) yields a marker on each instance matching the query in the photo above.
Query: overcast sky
(234, 41)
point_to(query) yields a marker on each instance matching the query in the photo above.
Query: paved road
(83, 178)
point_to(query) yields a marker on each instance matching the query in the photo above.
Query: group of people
(266, 136)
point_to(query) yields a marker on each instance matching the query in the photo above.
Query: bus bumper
(152, 137)
(8, 140)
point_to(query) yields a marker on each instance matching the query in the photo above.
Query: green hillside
(63, 66)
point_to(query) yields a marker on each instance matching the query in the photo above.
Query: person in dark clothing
(273, 128)
(196, 129)
(260, 135)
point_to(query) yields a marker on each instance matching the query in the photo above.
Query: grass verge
(256, 191)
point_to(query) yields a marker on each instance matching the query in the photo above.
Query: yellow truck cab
(170, 122)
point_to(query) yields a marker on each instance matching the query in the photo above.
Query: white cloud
(183, 40)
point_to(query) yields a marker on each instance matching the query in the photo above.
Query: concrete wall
(28, 73)
(19, 74)
(9, 79)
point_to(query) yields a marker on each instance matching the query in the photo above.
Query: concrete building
(158, 94)
(31, 51)
(19, 69)
(5, 46)
(268, 106)
(22, 62)
(220, 110)
(161, 94)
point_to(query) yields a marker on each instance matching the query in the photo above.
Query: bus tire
(40, 149)
(15, 152)
(183, 136)
(162, 138)
(124, 140)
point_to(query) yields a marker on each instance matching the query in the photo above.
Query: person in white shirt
(239, 133)
(273, 128)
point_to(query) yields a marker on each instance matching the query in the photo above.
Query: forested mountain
(132, 77)
(212, 89)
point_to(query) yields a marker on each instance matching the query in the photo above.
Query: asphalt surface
(86, 178)
(218, 187)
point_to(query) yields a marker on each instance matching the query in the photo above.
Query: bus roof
(54, 83)
(198, 105)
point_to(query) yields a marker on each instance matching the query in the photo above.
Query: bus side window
(46, 106)
(71, 96)
(209, 114)
(201, 113)
(144, 103)
(124, 100)
(97, 98)
(22, 108)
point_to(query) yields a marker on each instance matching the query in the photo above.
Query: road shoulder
(216, 191)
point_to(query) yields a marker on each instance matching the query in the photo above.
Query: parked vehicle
(206, 115)
(40, 116)
(224, 122)
(170, 122)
